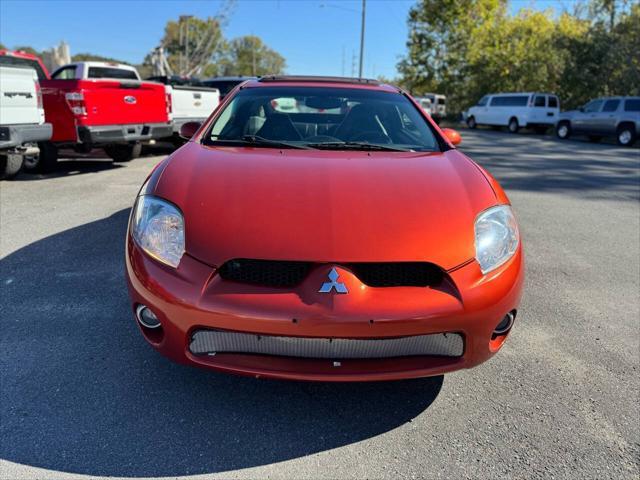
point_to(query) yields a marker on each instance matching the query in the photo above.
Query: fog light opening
(505, 325)
(146, 317)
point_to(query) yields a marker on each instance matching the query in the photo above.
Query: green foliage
(467, 48)
(248, 55)
(90, 57)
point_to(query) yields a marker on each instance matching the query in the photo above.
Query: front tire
(563, 130)
(626, 135)
(513, 125)
(10, 166)
(471, 123)
(123, 153)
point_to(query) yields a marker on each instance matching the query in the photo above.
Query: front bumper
(111, 134)
(12, 136)
(193, 298)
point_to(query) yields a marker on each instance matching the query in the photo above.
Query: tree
(468, 48)
(249, 56)
(191, 43)
(88, 57)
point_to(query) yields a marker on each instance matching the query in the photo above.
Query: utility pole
(364, 6)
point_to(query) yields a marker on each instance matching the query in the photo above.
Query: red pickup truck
(98, 104)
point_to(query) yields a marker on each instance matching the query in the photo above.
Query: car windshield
(329, 118)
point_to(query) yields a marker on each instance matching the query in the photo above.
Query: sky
(316, 37)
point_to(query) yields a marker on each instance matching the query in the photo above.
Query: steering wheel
(371, 137)
(321, 138)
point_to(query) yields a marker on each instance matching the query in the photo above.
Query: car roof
(320, 81)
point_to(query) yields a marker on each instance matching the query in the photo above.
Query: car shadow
(544, 164)
(83, 393)
(73, 163)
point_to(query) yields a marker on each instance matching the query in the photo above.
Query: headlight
(158, 227)
(497, 237)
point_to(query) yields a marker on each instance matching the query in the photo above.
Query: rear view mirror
(452, 135)
(323, 103)
(189, 129)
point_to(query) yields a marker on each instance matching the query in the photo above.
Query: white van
(438, 105)
(515, 111)
(425, 104)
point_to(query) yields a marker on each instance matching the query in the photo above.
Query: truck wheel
(471, 122)
(563, 130)
(10, 166)
(123, 153)
(626, 135)
(513, 125)
(45, 161)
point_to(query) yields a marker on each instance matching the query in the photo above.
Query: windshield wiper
(357, 146)
(257, 140)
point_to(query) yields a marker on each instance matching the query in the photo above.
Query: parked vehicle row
(617, 117)
(93, 104)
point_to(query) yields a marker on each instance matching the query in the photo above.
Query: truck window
(112, 72)
(510, 101)
(553, 102)
(441, 101)
(483, 101)
(611, 105)
(632, 105)
(65, 73)
(539, 101)
(10, 60)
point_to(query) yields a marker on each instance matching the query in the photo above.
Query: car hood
(326, 206)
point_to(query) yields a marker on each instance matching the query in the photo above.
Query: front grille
(265, 272)
(277, 273)
(218, 341)
(404, 274)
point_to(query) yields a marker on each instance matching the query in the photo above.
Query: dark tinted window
(510, 101)
(539, 101)
(611, 105)
(109, 72)
(323, 115)
(553, 102)
(65, 73)
(10, 60)
(442, 101)
(632, 105)
(225, 86)
(483, 101)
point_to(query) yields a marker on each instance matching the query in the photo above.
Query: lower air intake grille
(217, 341)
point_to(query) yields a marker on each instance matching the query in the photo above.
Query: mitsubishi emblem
(333, 283)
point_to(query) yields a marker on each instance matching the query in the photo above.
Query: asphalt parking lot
(82, 393)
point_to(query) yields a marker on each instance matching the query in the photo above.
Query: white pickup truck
(190, 101)
(22, 122)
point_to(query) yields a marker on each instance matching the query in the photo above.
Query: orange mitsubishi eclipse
(320, 228)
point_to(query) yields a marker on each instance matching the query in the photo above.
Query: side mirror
(452, 135)
(189, 129)
(581, 109)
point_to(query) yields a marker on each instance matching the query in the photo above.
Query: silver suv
(603, 117)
